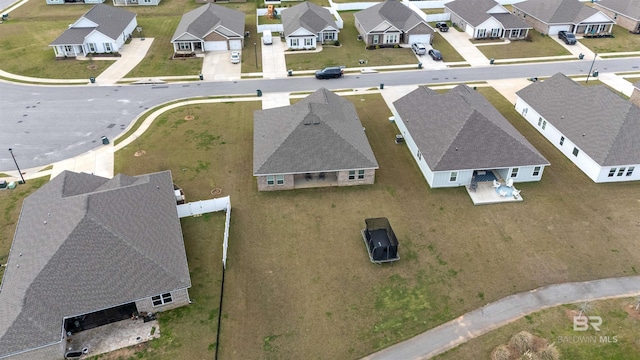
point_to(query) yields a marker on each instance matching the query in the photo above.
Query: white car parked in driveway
(235, 57)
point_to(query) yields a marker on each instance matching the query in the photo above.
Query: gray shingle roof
(510, 21)
(393, 11)
(475, 12)
(308, 16)
(630, 8)
(557, 11)
(319, 133)
(85, 243)
(111, 21)
(600, 122)
(461, 130)
(211, 17)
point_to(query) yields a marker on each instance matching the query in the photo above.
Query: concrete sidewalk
(504, 311)
(460, 42)
(131, 55)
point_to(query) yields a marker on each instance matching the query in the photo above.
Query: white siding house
(599, 133)
(305, 25)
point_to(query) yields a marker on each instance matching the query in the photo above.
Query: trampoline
(380, 240)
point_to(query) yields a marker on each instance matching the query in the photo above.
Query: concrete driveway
(273, 62)
(217, 66)
(460, 41)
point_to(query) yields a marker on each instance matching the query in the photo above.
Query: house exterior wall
(50, 352)
(288, 183)
(413, 149)
(582, 160)
(535, 23)
(302, 40)
(620, 19)
(369, 178)
(488, 26)
(99, 40)
(458, 21)
(635, 97)
(180, 298)
(417, 30)
(214, 36)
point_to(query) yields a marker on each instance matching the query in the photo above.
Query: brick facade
(179, 297)
(369, 178)
(620, 19)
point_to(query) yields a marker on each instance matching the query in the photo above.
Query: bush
(336, 43)
(501, 353)
(377, 47)
(522, 342)
(549, 353)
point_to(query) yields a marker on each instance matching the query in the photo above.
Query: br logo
(581, 323)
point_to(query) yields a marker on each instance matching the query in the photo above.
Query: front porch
(312, 180)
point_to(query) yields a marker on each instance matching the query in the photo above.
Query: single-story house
(89, 251)
(458, 134)
(135, 2)
(597, 129)
(210, 27)
(318, 141)
(625, 13)
(56, 2)
(102, 30)
(392, 23)
(551, 16)
(486, 19)
(307, 24)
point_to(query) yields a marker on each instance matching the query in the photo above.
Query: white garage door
(215, 45)
(420, 38)
(553, 30)
(235, 44)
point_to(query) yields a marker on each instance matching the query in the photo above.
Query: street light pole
(14, 160)
(591, 68)
(255, 51)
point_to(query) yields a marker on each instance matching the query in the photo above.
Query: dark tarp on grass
(380, 239)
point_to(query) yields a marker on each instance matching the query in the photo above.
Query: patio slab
(486, 194)
(114, 336)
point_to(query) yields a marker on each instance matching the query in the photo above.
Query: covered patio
(483, 189)
(311, 180)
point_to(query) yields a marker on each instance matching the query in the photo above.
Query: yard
(539, 46)
(299, 283)
(619, 332)
(623, 41)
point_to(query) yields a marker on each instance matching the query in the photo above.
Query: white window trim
(271, 180)
(162, 299)
(453, 176)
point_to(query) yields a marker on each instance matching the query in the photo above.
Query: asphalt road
(46, 124)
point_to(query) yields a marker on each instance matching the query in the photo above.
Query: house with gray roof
(392, 23)
(457, 135)
(626, 13)
(307, 24)
(598, 130)
(88, 251)
(102, 30)
(136, 2)
(210, 27)
(551, 16)
(58, 2)
(486, 19)
(318, 141)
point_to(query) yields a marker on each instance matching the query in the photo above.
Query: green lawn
(623, 41)
(619, 332)
(539, 46)
(349, 53)
(449, 53)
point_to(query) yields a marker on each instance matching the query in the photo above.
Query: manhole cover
(139, 153)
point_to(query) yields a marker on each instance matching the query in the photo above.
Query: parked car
(435, 54)
(235, 57)
(567, 37)
(442, 26)
(329, 72)
(267, 38)
(419, 48)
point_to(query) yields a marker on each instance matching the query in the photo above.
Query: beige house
(626, 13)
(318, 141)
(551, 16)
(89, 251)
(392, 23)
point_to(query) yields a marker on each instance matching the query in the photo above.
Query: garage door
(215, 45)
(553, 30)
(420, 38)
(235, 44)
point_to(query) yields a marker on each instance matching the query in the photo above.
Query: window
(92, 47)
(360, 174)
(68, 48)
(352, 174)
(630, 170)
(271, 180)
(280, 179)
(561, 140)
(612, 172)
(544, 124)
(391, 39)
(294, 43)
(453, 176)
(575, 151)
(525, 111)
(329, 36)
(620, 171)
(536, 171)
(376, 39)
(419, 155)
(163, 299)
(107, 47)
(495, 32)
(482, 33)
(184, 46)
(514, 172)
(539, 121)
(308, 42)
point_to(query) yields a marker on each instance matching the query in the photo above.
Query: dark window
(630, 170)
(536, 171)
(163, 299)
(360, 174)
(575, 151)
(561, 140)
(352, 174)
(620, 171)
(612, 172)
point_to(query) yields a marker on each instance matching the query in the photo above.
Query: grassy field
(538, 46)
(349, 53)
(623, 41)
(620, 326)
(300, 285)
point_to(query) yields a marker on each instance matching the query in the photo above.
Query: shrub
(336, 43)
(377, 47)
(550, 352)
(522, 341)
(501, 353)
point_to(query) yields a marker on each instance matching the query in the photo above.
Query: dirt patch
(633, 313)
(216, 191)
(139, 153)
(126, 353)
(189, 117)
(92, 67)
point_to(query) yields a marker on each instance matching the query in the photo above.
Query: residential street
(46, 124)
